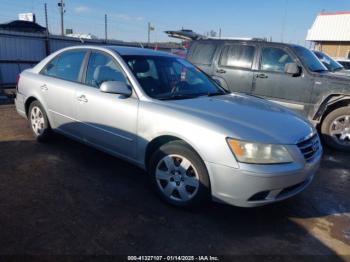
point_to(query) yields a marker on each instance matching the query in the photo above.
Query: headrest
(141, 66)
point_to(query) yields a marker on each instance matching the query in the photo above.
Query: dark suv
(288, 74)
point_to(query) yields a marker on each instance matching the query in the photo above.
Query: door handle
(221, 71)
(261, 76)
(44, 87)
(82, 98)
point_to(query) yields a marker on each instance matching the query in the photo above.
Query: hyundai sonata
(163, 114)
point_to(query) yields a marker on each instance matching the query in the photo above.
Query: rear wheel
(39, 122)
(179, 175)
(336, 129)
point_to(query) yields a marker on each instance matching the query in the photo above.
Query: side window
(202, 54)
(237, 56)
(50, 68)
(66, 66)
(346, 65)
(102, 68)
(274, 59)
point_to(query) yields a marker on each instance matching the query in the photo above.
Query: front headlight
(256, 153)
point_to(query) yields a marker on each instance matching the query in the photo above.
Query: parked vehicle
(159, 112)
(345, 62)
(332, 65)
(288, 74)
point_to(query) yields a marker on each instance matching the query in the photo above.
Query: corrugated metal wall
(19, 51)
(19, 48)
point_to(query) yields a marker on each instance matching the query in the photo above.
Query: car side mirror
(292, 69)
(116, 87)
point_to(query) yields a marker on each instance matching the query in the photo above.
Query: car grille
(310, 147)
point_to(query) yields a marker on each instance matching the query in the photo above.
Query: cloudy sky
(286, 20)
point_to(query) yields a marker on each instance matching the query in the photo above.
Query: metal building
(331, 33)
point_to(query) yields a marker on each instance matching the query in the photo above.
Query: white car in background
(345, 62)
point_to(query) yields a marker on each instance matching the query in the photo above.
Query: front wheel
(336, 129)
(179, 175)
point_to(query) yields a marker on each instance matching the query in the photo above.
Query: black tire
(45, 129)
(326, 129)
(201, 194)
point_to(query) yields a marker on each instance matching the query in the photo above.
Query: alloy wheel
(37, 120)
(340, 130)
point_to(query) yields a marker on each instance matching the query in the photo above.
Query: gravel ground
(66, 198)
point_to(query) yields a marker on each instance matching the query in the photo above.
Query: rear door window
(237, 56)
(202, 53)
(66, 66)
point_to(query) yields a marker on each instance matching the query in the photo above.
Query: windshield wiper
(216, 94)
(338, 69)
(189, 96)
(176, 97)
(320, 70)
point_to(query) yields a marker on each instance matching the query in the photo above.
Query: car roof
(123, 50)
(127, 50)
(239, 41)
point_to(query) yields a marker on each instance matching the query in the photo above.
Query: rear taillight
(17, 81)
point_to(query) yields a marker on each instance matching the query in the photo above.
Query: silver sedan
(161, 113)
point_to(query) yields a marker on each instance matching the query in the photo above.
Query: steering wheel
(178, 85)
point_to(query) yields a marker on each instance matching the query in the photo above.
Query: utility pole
(149, 34)
(150, 28)
(219, 32)
(61, 6)
(106, 28)
(46, 20)
(47, 41)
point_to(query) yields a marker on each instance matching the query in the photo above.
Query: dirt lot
(66, 198)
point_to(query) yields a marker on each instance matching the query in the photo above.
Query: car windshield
(309, 59)
(168, 78)
(328, 62)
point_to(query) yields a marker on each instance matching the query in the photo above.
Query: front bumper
(260, 185)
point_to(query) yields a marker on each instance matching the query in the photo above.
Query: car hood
(340, 76)
(345, 73)
(247, 118)
(338, 82)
